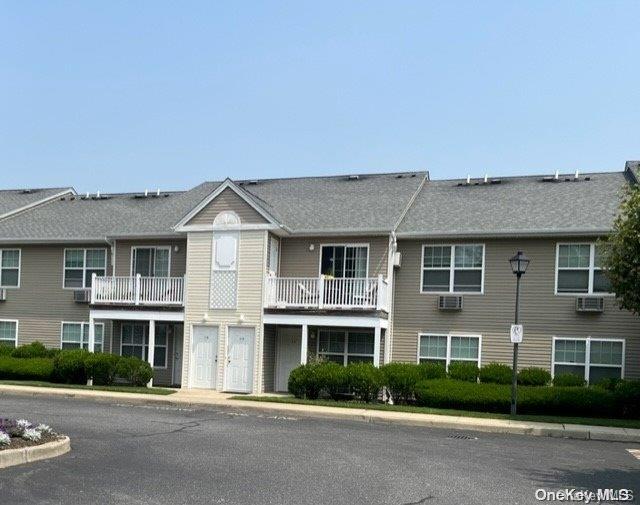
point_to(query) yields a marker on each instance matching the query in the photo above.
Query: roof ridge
(534, 176)
(334, 176)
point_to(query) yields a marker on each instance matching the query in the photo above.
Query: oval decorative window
(226, 218)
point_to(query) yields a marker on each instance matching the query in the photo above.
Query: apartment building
(232, 284)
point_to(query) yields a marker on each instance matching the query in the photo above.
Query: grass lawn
(117, 389)
(593, 421)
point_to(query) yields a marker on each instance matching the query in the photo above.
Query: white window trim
(345, 245)
(587, 354)
(591, 268)
(19, 266)
(452, 268)
(345, 355)
(155, 247)
(17, 328)
(145, 343)
(83, 323)
(448, 357)
(84, 265)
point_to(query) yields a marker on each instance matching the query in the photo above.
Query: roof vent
(26, 191)
(400, 176)
(353, 177)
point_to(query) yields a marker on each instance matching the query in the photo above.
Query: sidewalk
(205, 398)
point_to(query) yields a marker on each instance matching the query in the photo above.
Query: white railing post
(376, 345)
(321, 292)
(137, 288)
(183, 290)
(304, 344)
(379, 293)
(93, 288)
(151, 348)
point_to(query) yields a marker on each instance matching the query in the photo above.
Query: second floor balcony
(137, 290)
(327, 293)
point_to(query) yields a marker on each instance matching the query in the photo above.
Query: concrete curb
(12, 457)
(189, 399)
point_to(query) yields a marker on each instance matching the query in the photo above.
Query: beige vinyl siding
(251, 267)
(225, 201)
(40, 304)
(124, 250)
(542, 313)
(269, 358)
(296, 260)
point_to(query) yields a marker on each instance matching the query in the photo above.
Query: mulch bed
(19, 443)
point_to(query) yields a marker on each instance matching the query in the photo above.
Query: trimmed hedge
(627, 395)
(432, 371)
(102, 367)
(401, 379)
(26, 368)
(463, 371)
(534, 377)
(333, 379)
(561, 401)
(69, 366)
(305, 381)
(568, 380)
(134, 370)
(32, 350)
(496, 373)
(365, 380)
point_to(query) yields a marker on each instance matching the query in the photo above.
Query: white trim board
(37, 203)
(316, 320)
(137, 315)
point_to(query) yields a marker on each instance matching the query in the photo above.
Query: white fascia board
(38, 202)
(506, 234)
(132, 315)
(321, 320)
(240, 227)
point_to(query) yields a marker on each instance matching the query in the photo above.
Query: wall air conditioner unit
(397, 259)
(590, 304)
(82, 296)
(450, 302)
(3, 295)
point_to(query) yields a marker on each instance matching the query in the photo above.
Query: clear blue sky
(126, 95)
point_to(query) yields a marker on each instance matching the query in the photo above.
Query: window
(346, 347)
(580, 271)
(446, 349)
(592, 358)
(81, 264)
(135, 342)
(453, 268)
(151, 261)
(9, 333)
(344, 261)
(76, 336)
(9, 268)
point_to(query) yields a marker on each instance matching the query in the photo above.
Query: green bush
(6, 350)
(496, 373)
(365, 381)
(559, 401)
(134, 370)
(32, 350)
(568, 380)
(627, 394)
(609, 383)
(305, 382)
(432, 370)
(401, 379)
(533, 377)
(463, 371)
(39, 369)
(332, 379)
(102, 368)
(69, 366)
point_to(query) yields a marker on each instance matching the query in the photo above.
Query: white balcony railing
(137, 290)
(327, 293)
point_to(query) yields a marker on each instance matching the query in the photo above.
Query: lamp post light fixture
(519, 264)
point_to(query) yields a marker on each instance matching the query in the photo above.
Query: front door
(177, 358)
(204, 356)
(287, 356)
(239, 372)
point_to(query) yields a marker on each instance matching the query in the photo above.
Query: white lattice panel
(223, 289)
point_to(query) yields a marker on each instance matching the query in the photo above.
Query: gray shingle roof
(14, 199)
(518, 205)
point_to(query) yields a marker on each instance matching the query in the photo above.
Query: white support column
(304, 344)
(376, 345)
(152, 348)
(92, 342)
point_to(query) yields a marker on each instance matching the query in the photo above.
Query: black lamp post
(519, 264)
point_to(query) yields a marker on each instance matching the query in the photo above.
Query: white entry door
(177, 358)
(204, 353)
(287, 355)
(239, 371)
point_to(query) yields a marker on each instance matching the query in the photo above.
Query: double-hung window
(81, 264)
(453, 268)
(151, 261)
(592, 358)
(8, 333)
(350, 261)
(580, 270)
(9, 268)
(76, 336)
(135, 342)
(446, 349)
(345, 346)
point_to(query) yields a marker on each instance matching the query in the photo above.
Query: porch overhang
(326, 320)
(137, 315)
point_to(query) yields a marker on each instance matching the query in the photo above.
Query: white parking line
(634, 452)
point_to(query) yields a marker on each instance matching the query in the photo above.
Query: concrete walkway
(195, 398)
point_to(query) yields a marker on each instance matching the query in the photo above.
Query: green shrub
(102, 368)
(305, 380)
(401, 379)
(627, 394)
(365, 380)
(39, 369)
(32, 350)
(463, 371)
(134, 370)
(69, 366)
(332, 379)
(534, 377)
(6, 350)
(496, 373)
(432, 370)
(560, 401)
(568, 380)
(609, 383)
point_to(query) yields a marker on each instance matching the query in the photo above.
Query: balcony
(137, 290)
(327, 293)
